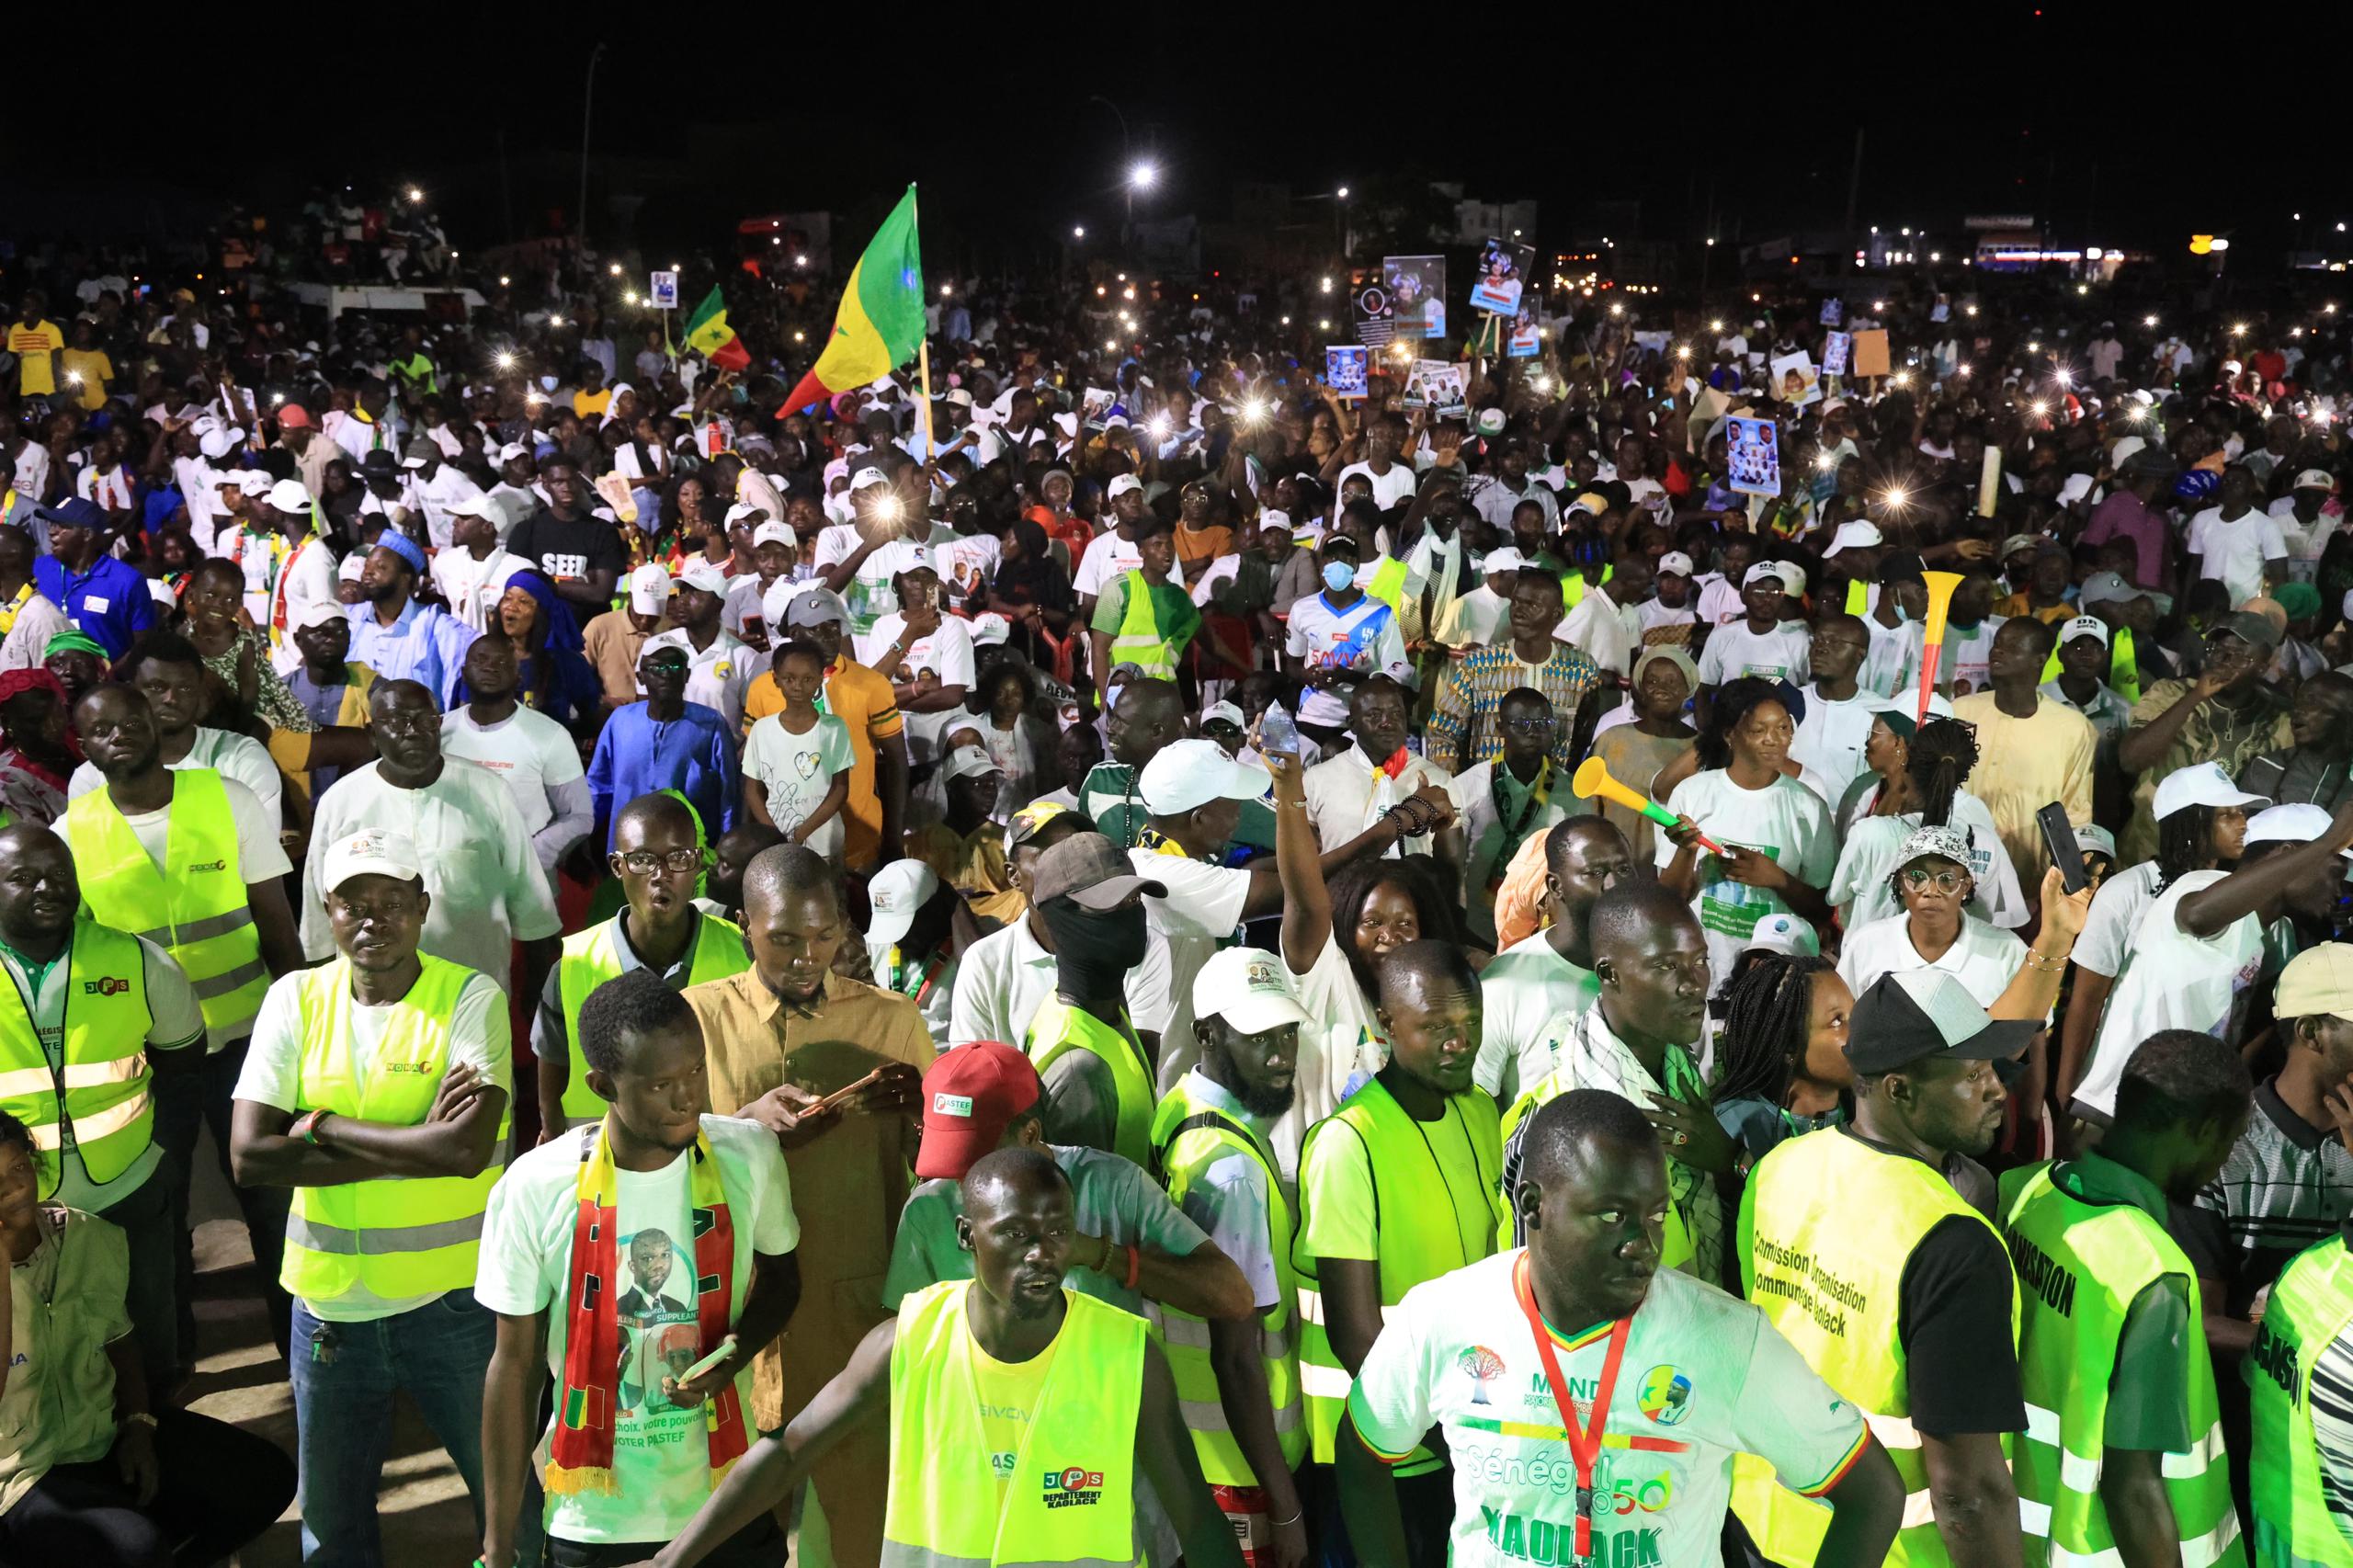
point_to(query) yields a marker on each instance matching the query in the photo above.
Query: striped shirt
(2286, 1185)
(1462, 724)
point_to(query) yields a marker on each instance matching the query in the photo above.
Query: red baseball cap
(293, 417)
(969, 1097)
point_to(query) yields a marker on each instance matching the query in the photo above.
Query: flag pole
(923, 354)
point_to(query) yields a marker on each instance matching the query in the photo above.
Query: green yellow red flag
(880, 322)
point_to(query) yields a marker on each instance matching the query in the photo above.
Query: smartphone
(843, 1093)
(726, 1348)
(2058, 838)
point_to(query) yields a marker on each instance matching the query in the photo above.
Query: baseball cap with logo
(1091, 872)
(2254, 630)
(649, 589)
(1857, 535)
(2083, 626)
(1674, 563)
(971, 1095)
(1913, 1015)
(1508, 560)
(1223, 713)
(968, 762)
(703, 577)
(990, 629)
(1250, 988)
(774, 532)
(289, 495)
(2315, 479)
(865, 477)
(898, 891)
(2299, 821)
(809, 606)
(1187, 775)
(1031, 820)
(1124, 483)
(375, 852)
(2317, 982)
(1777, 570)
(2199, 784)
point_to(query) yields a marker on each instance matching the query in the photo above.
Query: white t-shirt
(717, 677)
(967, 563)
(796, 770)
(1364, 636)
(2236, 551)
(1003, 977)
(1785, 820)
(1203, 909)
(1475, 620)
(1893, 662)
(479, 1035)
(2172, 979)
(660, 1459)
(1337, 1051)
(2114, 915)
(1388, 489)
(1107, 556)
(237, 759)
(1831, 737)
(473, 586)
(1968, 654)
(1733, 651)
(1703, 1376)
(1521, 991)
(530, 752)
(1985, 959)
(946, 654)
(1606, 631)
(869, 592)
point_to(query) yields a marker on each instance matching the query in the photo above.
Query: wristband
(139, 1418)
(305, 1127)
(1135, 1265)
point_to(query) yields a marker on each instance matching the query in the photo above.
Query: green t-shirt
(2148, 1394)
(1112, 1198)
(60, 1400)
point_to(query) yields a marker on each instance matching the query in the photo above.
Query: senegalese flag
(709, 334)
(881, 324)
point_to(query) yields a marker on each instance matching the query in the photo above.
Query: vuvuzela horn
(1941, 586)
(1593, 778)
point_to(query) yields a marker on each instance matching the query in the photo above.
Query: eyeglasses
(1531, 726)
(1944, 882)
(666, 666)
(642, 862)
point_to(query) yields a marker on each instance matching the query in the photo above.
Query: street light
(417, 197)
(615, 269)
(1343, 196)
(1144, 176)
(1078, 231)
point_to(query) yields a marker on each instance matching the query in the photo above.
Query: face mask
(1338, 574)
(1093, 952)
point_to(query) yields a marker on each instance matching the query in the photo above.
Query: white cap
(704, 577)
(865, 477)
(990, 629)
(2315, 479)
(968, 762)
(1189, 775)
(2083, 626)
(352, 564)
(959, 397)
(2298, 824)
(256, 482)
(1777, 570)
(1857, 535)
(1675, 563)
(509, 453)
(1228, 712)
(1124, 483)
(372, 852)
(2123, 449)
(219, 442)
(289, 495)
(774, 532)
(1504, 559)
(472, 506)
(649, 589)
(1250, 988)
(741, 510)
(319, 614)
(897, 891)
(2201, 784)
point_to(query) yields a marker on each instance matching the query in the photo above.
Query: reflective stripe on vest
(1188, 1139)
(397, 1237)
(593, 957)
(942, 1508)
(206, 923)
(2080, 1266)
(1059, 1028)
(99, 1089)
(1420, 1237)
(1831, 1224)
(1142, 640)
(2311, 1308)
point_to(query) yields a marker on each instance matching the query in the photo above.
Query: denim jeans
(345, 1375)
(184, 1103)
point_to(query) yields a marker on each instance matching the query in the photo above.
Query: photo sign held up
(1416, 289)
(1871, 353)
(1503, 273)
(1755, 453)
(1438, 385)
(662, 290)
(1345, 368)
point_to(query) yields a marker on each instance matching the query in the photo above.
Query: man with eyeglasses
(488, 890)
(658, 855)
(666, 742)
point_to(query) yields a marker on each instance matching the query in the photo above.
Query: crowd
(1039, 977)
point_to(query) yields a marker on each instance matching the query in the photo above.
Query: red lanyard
(1585, 1442)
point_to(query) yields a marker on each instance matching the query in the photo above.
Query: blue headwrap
(400, 544)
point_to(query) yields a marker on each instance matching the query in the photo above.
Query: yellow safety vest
(593, 957)
(1187, 1138)
(2311, 1306)
(1675, 1245)
(1071, 1499)
(1142, 641)
(96, 1093)
(1388, 585)
(1422, 1230)
(1059, 1028)
(194, 909)
(398, 1237)
(1829, 1223)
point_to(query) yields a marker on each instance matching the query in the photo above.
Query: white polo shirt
(717, 677)
(2172, 979)
(1985, 957)
(1345, 794)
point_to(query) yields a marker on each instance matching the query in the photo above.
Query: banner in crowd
(1795, 381)
(1440, 385)
(1527, 337)
(1755, 449)
(1375, 324)
(1417, 288)
(1345, 368)
(1835, 347)
(1504, 267)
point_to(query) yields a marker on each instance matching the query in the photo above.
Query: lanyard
(1585, 1442)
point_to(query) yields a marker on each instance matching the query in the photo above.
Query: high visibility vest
(2123, 670)
(1858, 598)
(409, 1236)
(1071, 1498)
(194, 909)
(1187, 1138)
(1421, 1232)
(1388, 585)
(99, 1089)
(1059, 1028)
(2080, 1265)
(1142, 641)
(1675, 1246)
(593, 957)
(2311, 1306)
(1573, 586)
(1833, 1221)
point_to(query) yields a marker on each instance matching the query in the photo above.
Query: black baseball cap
(1898, 567)
(1909, 1016)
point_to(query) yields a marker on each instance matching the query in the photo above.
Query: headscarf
(1037, 578)
(556, 676)
(76, 642)
(15, 683)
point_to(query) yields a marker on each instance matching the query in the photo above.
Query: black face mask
(1093, 953)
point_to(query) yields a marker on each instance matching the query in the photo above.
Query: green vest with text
(1070, 1497)
(96, 1091)
(1059, 1028)
(1142, 640)
(194, 909)
(593, 957)
(398, 1237)
(2311, 1308)
(1829, 1223)
(1421, 1230)
(1187, 1138)
(2079, 1266)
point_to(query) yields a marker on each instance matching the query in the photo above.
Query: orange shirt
(864, 702)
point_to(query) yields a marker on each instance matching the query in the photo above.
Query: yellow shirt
(2023, 765)
(866, 705)
(95, 370)
(585, 403)
(1008, 1393)
(35, 345)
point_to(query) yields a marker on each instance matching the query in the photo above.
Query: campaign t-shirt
(568, 549)
(1733, 651)
(1703, 1376)
(1364, 636)
(660, 1459)
(796, 770)
(2172, 979)
(1784, 819)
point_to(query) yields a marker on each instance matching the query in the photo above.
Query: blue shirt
(109, 602)
(692, 754)
(427, 644)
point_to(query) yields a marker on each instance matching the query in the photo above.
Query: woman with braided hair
(1781, 1052)
(1916, 782)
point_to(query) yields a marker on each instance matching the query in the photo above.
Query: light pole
(1141, 177)
(587, 103)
